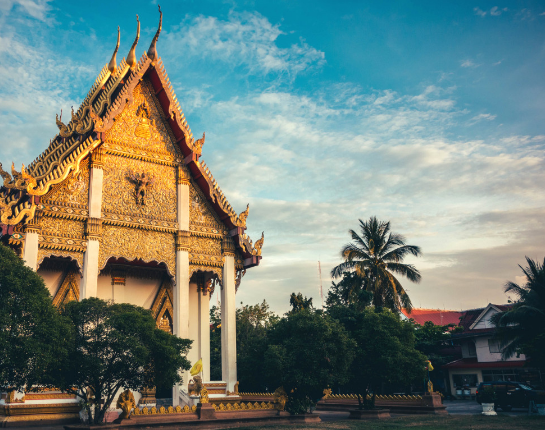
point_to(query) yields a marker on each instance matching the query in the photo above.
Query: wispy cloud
(468, 63)
(37, 9)
(481, 117)
(478, 11)
(246, 40)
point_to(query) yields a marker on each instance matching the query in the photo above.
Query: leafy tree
(253, 325)
(375, 256)
(434, 342)
(116, 346)
(298, 302)
(522, 328)
(349, 291)
(32, 333)
(307, 352)
(384, 353)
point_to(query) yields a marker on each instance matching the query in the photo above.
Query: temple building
(121, 206)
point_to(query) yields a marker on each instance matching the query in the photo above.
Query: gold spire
(112, 65)
(152, 51)
(131, 58)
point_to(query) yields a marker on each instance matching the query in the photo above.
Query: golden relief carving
(202, 218)
(195, 268)
(93, 228)
(205, 251)
(119, 195)
(162, 309)
(43, 253)
(62, 227)
(73, 192)
(141, 124)
(68, 291)
(183, 240)
(133, 244)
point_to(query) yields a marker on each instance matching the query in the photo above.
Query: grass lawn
(448, 422)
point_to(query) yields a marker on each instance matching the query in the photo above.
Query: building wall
(484, 354)
(52, 280)
(476, 372)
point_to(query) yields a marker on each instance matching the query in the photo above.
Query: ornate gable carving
(141, 127)
(162, 309)
(202, 218)
(68, 291)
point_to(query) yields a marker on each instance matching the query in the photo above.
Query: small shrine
(121, 206)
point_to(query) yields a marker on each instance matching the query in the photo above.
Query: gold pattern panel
(133, 244)
(43, 253)
(194, 268)
(68, 291)
(206, 250)
(142, 125)
(201, 216)
(59, 227)
(119, 195)
(73, 191)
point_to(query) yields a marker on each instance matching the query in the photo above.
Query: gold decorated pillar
(181, 287)
(228, 316)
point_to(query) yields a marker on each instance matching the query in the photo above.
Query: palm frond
(407, 270)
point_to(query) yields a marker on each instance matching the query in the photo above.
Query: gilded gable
(141, 128)
(202, 218)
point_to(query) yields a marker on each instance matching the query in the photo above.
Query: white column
(204, 330)
(181, 287)
(30, 249)
(228, 323)
(90, 270)
(93, 227)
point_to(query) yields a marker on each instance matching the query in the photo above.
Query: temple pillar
(180, 319)
(93, 227)
(30, 249)
(204, 327)
(228, 317)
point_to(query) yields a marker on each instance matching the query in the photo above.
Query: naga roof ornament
(131, 57)
(112, 65)
(152, 51)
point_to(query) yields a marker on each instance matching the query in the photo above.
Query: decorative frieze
(182, 177)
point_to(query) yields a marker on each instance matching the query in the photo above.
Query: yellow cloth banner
(430, 367)
(197, 368)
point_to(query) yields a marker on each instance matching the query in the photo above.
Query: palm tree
(375, 256)
(522, 328)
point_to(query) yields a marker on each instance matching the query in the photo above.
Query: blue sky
(427, 114)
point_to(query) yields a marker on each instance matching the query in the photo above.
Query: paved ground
(470, 407)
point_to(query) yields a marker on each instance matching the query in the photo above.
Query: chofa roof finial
(131, 58)
(112, 65)
(152, 51)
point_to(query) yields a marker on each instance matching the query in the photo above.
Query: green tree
(116, 346)
(298, 302)
(253, 325)
(32, 333)
(384, 353)
(307, 352)
(521, 329)
(215, 343)
(349, 291)
(375, 256)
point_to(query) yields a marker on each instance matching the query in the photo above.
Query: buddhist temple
(121, 206)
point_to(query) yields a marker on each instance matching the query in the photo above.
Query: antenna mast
(321, 290)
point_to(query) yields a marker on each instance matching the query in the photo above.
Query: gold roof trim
(152, 51)
(131, 57)
(112, 65)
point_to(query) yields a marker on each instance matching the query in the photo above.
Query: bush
(488, 394)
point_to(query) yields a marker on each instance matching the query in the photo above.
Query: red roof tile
(436, 316)
(471, 363)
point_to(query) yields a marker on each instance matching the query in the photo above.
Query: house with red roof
(436, 316)
(481, 359)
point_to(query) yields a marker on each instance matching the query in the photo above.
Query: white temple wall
(52, 280)
(141, 292)
(104, 287)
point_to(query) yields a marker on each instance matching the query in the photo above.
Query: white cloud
(468, 63)
(483, 116)
(246, 40)
(37, 9)
(479, 12)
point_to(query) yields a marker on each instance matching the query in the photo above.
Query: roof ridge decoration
(131, 56)
(152, 51)
(112, 65)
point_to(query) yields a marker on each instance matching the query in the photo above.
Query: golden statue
(280, 399)
(143, 183)
(126, 402)
(327, 393)
(204, 395)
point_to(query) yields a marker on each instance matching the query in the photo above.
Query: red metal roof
(472, 363)
(436, 316)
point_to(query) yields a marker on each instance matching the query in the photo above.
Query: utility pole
(321, 290)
